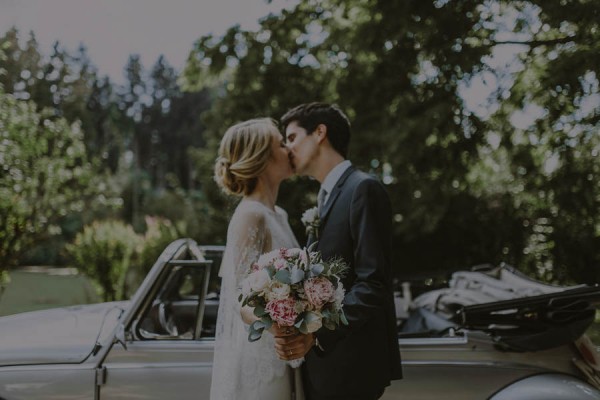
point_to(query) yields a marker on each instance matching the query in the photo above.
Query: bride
(253, 161)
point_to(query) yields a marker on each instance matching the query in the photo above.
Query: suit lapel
(333, 196)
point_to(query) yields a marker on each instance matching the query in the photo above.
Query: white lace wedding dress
(244, 370)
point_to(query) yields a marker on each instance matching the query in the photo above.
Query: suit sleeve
(370, 225)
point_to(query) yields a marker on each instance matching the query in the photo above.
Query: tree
(399, 70)
(395, 76)
(65, 85)
(163, 123)
(45, 176)
(548, 153)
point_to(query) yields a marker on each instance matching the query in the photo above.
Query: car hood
(56, 336)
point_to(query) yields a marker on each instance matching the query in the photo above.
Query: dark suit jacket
(362, 358)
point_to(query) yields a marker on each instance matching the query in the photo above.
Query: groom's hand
(293, 347)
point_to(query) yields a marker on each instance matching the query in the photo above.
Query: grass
(38, 288)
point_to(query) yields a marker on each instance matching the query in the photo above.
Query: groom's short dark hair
(311, 115)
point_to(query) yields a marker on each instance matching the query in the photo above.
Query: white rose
(246, 289)
(278, 291)
(268, 258)
(313, 320)
(259, 280)
(309, 216)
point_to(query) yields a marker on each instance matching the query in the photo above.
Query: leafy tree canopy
(46, 175)
(454, 173)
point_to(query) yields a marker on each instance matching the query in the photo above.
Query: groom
(359, 360)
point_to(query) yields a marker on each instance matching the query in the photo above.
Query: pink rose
(283, 311)
(279, 264)
(318, 291)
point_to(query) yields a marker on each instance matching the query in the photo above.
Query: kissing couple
(353, 361)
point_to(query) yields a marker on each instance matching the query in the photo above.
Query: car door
(166, 348)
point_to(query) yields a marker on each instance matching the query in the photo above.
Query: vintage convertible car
(159, 345)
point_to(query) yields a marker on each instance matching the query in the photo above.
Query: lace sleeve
(247, 239)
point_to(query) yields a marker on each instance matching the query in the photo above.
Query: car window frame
(188, 255)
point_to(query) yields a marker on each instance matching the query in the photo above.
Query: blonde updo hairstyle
(243, 155)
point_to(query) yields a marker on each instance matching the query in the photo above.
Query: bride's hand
(282, 331)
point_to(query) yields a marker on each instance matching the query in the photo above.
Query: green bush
(160, 232)
(104, 251)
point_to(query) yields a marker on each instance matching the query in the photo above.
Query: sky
(113, 29)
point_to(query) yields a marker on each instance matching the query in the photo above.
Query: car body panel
(68, 335)
(548, 387)
(48, 382)
(468, 366)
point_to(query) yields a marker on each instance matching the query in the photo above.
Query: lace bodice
(242, 368)
(254, 229)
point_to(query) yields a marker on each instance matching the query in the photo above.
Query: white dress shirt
(333, 177)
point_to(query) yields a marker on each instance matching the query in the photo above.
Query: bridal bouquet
(294, 287)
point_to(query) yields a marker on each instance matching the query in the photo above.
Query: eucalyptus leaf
(297, 275)
(343, 318)
(258, 324)
(254, 335)
(317, 269)
(283, 276)
(259, 311)
(266, 321)
(255, 331)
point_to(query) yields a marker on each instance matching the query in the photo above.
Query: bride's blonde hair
(243, 155)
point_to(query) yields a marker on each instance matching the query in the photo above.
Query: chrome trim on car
(433, 341)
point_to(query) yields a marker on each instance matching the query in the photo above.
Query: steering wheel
(166, 320)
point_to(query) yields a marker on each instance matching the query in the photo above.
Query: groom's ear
(321, 132)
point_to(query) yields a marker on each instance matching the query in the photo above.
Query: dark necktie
(321, 200)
